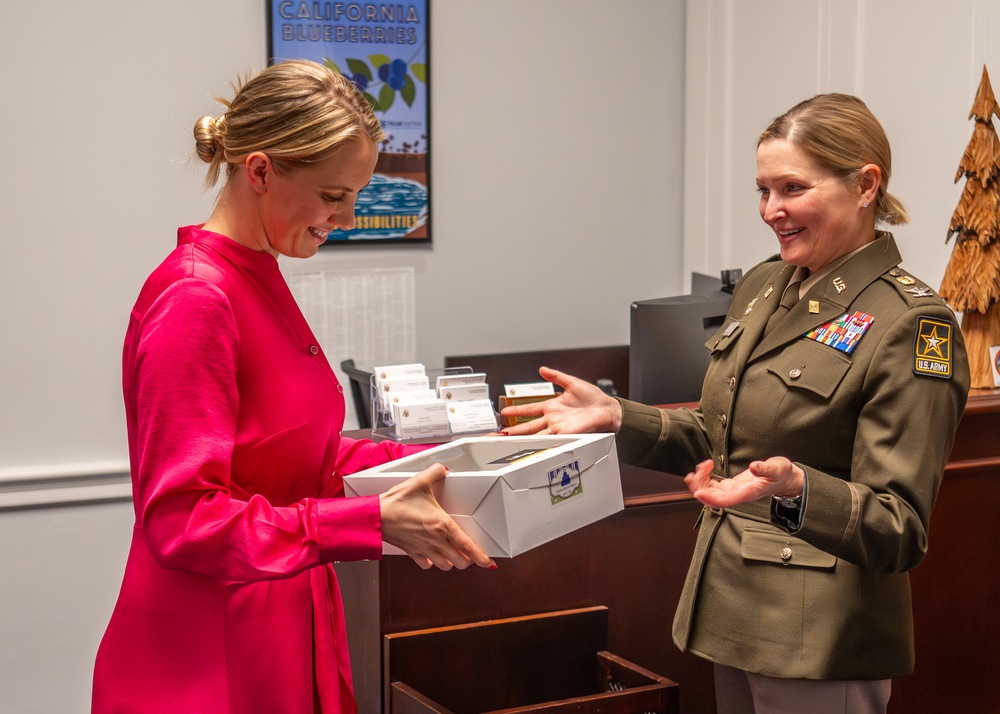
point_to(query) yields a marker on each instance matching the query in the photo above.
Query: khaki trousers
(739, 692)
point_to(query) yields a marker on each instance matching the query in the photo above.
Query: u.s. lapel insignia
(839, 284)
(749, 306)
(932, 348)
(813, 307)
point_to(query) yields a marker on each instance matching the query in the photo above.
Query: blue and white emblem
(564, 482)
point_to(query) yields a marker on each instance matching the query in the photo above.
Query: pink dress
(229, 602)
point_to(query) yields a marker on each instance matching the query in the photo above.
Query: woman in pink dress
(229, 601)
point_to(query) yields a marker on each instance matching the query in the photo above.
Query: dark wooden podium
(634, 563)
(956, 589)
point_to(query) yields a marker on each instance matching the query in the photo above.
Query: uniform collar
(831, 293)
(809, 280)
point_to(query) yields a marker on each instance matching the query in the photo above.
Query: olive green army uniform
(862, 384)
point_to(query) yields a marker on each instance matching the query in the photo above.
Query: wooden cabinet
(956, 589)
(555, 662)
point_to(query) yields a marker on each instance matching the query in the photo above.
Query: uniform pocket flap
(810, 365)
(774, 547)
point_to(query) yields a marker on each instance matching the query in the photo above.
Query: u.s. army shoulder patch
(932, 348)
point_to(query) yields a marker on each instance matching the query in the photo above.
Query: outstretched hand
(777, 476)
(582, 408)
(413, 521)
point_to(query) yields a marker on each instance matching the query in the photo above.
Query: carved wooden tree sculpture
(971, 282)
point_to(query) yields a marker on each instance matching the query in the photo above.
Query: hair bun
(207, 137)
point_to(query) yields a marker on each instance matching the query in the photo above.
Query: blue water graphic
(387, 196)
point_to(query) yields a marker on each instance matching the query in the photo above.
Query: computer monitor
(701, 283)
(667, 354)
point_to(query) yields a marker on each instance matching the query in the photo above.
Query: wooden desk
(635, 563)
(956, 589)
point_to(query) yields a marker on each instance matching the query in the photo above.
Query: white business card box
(565, 482)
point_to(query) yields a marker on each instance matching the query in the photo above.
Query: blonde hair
(841, 135)
(296, 112)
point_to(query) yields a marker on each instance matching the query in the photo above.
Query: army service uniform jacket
(862, 384)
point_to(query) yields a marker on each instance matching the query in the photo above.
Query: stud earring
(261, 189)
(865, 205)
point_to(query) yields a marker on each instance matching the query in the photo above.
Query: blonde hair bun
(207, 137)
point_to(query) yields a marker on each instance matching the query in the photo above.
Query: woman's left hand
(413, 520)
(777, 476)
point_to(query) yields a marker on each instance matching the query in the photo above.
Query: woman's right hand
(413, 521)
(582, 408)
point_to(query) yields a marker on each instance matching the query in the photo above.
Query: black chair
(361, 383)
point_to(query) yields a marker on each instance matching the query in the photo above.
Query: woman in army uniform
(828, 411)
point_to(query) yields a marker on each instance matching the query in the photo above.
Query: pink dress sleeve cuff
(349, 528)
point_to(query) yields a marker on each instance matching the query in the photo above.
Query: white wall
(556, 179)
(917, 65)
(98, 103)
(61, 570)
(555, 176)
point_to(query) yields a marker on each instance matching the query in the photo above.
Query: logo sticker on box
(564, 482)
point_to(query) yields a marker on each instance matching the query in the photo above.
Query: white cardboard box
(511, 494)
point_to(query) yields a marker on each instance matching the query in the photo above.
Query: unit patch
(932, 348)
(842, 334)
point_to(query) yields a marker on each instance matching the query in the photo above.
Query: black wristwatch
(789, 501)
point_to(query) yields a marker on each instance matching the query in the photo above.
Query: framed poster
(383, 48)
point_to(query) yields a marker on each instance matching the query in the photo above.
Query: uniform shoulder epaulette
(913, 290)
(932, 341)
